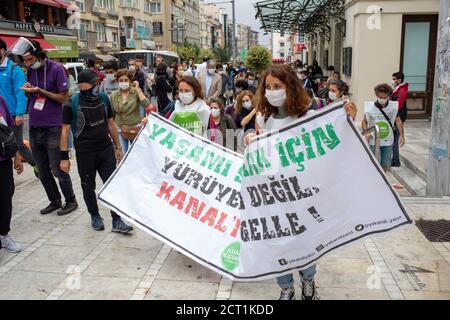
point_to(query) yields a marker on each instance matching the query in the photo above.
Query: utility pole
(438, 177)
(234, 31)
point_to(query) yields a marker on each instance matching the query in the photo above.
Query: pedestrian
(90, 117)
(110, 84)
(282, 101)
(338, 90)
(7, 181)
(221, 72)
(71, 84)
(317, 70)
(163, 88)
(211, 82)
(400, 95)
(137, 74)
(252, 84)
(12, 78)
(126, 104)
(306, 81)
(245, 111)
(48, 90)
(191, 111)
(201, 68)
(221, 126)
(384, 114)
(90, 63)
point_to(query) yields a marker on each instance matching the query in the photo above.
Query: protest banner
(294, 196)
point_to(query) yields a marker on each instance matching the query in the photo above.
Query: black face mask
(90, 93)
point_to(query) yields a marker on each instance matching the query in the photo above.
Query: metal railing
(376, 130)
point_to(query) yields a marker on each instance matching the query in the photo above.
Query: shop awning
(298, 16)
(44, 44)
(51, 3)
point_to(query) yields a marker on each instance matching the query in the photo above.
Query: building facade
(380, 38)
(212, 33)
(176, 22)
(47, 22)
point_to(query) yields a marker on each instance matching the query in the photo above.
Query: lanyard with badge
(40, 100)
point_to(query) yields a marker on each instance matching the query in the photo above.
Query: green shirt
(127, 112)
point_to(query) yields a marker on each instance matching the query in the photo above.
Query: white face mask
(124, 86)
(132, 68)
(251, 82)
(394, 83)
(382, 101)
(111, 77)
(36, 65)
(247, 105)
(276, 98)
(211, 71)
(332, 96)
(215, 113)
(187, 97)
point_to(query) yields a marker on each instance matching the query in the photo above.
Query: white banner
(300, 193)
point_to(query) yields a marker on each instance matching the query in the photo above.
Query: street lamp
(179, 27)
(233, 38)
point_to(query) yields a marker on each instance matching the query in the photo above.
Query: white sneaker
(10, 244)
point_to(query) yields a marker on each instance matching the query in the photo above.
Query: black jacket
(162, 88)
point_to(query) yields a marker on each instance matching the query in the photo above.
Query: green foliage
(222, 54)
(259, 58)
(205, 53)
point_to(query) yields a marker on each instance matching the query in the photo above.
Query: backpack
(8, 143)
(75, 101)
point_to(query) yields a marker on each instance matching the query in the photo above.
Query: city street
(64, 258)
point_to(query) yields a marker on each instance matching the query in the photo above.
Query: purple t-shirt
(55, 81)
(5, 116)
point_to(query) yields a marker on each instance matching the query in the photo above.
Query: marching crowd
(101, 115)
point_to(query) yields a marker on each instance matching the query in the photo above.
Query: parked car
(74, 69)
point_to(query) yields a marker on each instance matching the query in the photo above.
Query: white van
(74, 69)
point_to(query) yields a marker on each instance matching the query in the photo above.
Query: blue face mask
(92, 92)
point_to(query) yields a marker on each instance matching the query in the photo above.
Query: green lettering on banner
(195, 154)
(296, 158)
(212, 161)
(156, 131)
(182, 147)
(331, 142)
(169, 140)
(231, 256)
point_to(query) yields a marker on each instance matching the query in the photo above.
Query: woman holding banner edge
(281, 100)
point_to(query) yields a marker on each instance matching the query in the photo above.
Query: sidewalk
(65, 259)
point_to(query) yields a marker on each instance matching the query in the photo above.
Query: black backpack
(8, 143)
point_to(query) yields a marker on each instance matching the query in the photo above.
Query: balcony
(30, 27)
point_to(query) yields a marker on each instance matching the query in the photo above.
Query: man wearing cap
(90, 117)
(47, 90)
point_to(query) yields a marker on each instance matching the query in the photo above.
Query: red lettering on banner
(165, 191)
(237, 226)
(193, 206)
(210, 217)
(179, 200)
(219, 225)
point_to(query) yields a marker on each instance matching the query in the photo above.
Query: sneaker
(309, 291)
(121, 227)
(55, 205)
(287, 294)
(68, 208)
(97, 223)
(10, 244)
(396, 164)
(36, 172)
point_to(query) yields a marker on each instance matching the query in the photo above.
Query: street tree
(259, 58)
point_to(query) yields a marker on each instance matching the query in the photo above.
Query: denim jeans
(124, 143)
(45, 146)
(23, 150)
(396, 149)
(287, 281)
(89, 163)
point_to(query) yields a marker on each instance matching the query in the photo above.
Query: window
(152, 6)
(129, 3)
(157, 28)
(84, 28)
(106, 4)
(115, 40)
(101, 33)
(80, 4)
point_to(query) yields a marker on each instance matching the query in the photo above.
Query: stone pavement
(64, 258)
